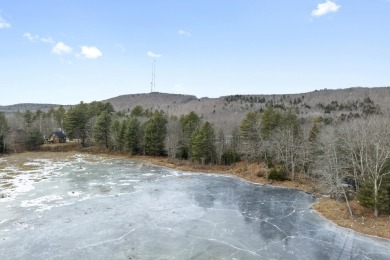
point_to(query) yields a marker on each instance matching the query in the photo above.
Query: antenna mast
(153, 84)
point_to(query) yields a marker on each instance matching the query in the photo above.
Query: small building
(56, 137)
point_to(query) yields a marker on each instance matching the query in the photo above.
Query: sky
(64, 52)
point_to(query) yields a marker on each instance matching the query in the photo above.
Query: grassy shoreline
(363, 221)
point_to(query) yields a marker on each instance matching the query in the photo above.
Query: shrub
(260, 174)
(278, 175)
(229, 157)
(366, 196)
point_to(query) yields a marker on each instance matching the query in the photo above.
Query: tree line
(349, 158)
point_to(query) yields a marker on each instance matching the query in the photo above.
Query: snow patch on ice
(22, 181)
(40, 201)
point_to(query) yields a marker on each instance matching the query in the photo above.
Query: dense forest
(349, 156)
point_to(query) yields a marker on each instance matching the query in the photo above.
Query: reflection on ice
(90, 207)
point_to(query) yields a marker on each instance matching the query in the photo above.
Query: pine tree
(154, 134)
(250, 133)
(189, 124)
(203, 144)
(102, 129)
(34, 139)
(76, 122)
(4, 131)
(132, 135)
(270, 120)
(313, 134)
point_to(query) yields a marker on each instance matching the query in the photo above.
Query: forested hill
(226, 111)
(28, 106)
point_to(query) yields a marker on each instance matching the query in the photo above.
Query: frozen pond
(88, 207)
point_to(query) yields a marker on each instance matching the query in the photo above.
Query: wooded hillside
(226, 111)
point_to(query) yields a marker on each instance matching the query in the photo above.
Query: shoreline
(331, 210)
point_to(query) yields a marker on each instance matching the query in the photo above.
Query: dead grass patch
(363, 220)
(8, 177)
(7, 186)
(28, 167)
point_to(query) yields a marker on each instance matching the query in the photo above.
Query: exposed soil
(363, 220)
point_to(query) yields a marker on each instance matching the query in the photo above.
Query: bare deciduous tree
(174, 135)
(287, 148)
(331, 166)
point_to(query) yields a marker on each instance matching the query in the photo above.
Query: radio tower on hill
(153, 83)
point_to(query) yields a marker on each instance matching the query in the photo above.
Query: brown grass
(363, 220)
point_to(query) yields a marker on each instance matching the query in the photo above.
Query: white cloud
(35, 37)
(47, 40)
(61, 48)
(90, 52)
(153, 55)
(184, 33)
(325, 8)
(30, 37)
(4, 24)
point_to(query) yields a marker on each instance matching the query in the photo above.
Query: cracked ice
(97, 208)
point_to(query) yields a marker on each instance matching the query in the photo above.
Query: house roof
(60, 134)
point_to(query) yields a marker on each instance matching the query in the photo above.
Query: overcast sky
(65, 52)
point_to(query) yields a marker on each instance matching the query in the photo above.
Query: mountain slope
(228, 111)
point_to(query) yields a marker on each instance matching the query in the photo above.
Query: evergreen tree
(102, 129)
(250, 127)
(137, 111)
(250, 133)
(189, 124)
(4, 131)
(28, 119)
(132, 135)
(270, 120)
(154, 134)
(313, 134)
(289, 121)
(59, 116)
(34, 139)
(202, 144)
(76, 122)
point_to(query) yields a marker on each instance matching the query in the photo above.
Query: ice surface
(116, 209)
